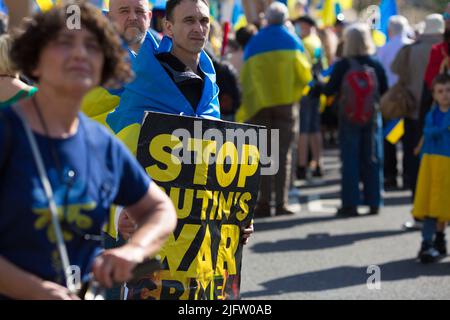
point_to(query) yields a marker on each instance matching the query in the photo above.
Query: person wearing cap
(339, 27)
(310, 135)
(406, 66)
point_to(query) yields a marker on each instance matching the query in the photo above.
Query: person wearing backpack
(359, 80)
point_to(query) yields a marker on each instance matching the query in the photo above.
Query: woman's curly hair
(44, 27)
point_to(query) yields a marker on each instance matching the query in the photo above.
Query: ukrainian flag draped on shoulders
(101, 101)
(433, 187)
(274, 73)
(154, 90)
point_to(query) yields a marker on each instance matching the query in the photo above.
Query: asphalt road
(315, 255)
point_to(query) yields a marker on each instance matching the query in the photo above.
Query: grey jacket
(412, 71)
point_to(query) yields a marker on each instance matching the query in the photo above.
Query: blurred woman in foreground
(87, 168)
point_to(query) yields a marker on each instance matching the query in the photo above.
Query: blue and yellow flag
(329, 13)
(388, 8)
(379, 38)
(274, 73)
(100, 101)
(238, 18)
(44, 5)
(328, 10)
(154, 90)
(433, 185)
(394, 130)
(158, 4)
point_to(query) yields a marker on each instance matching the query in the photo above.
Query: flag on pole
(388, 8)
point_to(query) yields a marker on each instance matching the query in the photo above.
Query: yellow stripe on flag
(379, 39)
(44, 5)
(346, 4)
(396, 133)
(306, 90)
(328, 13)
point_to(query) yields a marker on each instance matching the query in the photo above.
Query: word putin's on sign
(211, 171)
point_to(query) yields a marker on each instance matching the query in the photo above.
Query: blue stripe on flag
(388, 8)
(389, 126)
(3, 7)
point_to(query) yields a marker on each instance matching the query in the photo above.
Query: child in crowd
(432, 197)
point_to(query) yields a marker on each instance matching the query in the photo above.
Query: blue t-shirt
(105, 173)
(438, 117)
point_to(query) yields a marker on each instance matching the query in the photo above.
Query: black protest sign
(211, 171)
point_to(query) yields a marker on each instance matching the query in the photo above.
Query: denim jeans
(361, 149)
(428, 231)
(282, 118)
(411, 162)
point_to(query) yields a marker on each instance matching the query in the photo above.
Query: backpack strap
(7, 135)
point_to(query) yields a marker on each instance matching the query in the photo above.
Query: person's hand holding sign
(126, 225)
(247, 232)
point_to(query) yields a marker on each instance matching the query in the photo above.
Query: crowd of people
(319, 86)
(350, 85)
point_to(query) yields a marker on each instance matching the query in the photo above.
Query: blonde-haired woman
(12, 89)
(359, 81)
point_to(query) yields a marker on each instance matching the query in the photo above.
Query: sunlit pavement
(315, 255)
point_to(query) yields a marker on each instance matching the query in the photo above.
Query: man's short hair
(244, 34)
(277, 13)
(172, 4)
(307, 19)
(442, 78)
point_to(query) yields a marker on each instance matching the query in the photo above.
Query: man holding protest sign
(210, 169)
(176, 78)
